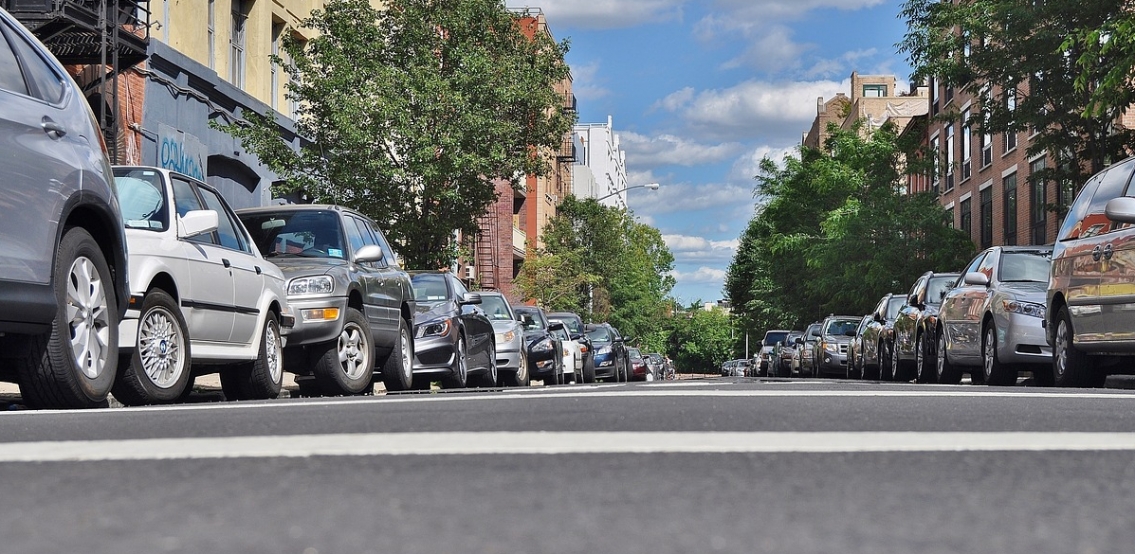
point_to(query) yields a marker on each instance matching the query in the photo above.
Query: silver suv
(63, 277)
(1091, 290)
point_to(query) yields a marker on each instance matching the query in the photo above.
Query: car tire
(489, 378)
(518, 378)
(460, 377)
(925, 364)
(886, 372)
(589, 369)
(995, 372)
(52, 373)
(1070, 366)
(159, 370)
(899, 372)
(345, 365)
(623, 371)
(262, 378)
(948, 374)
(398, 370)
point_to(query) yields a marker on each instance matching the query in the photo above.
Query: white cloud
(648, 152)
(610, 14)
(676, 100)
(702, 274)
(748, 166)
(586, 83)
(841, 65)
(748, 16)
(688, 249)
(685, 198)
(771, 50)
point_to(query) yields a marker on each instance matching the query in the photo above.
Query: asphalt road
(720, 465)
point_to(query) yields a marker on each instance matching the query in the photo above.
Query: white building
(600, 165)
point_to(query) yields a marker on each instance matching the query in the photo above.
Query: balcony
(566, 153)
(75, 31)
(570, 104)
(519, 243)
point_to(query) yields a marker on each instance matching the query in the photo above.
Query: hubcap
(462, 369)
(407, 355)
(160, 348)
(940, 361)
(1061, 345)
(275, 353)
(88, 318)
(354, 354)
(989, 351)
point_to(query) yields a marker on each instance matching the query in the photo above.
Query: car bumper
(1023, 341)
(541, 363)
(507, 360)
(605, 367)
(435, 356)
(309, 327)
(830, 363)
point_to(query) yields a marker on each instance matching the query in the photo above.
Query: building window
(949, 95)
(212, 30)
(1011, 105)
(950, 217)
(933, 97)
(237, 42)
(1009, 185)
(277, 31)
(987, 217)
(986, 150)
(874, 91)
(965, 214)
(966, 134)
(293, 101)
(937, 153)
(1038, 209)
(949, 157)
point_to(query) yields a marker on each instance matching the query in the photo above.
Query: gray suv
(63, 277)
(353, 304)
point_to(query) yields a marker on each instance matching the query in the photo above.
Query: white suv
(202, 299)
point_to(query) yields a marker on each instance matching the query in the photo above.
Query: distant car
(453, 339)
(991, 319)
(875, 358)
(835, 337)
(768, 344)
(575, 329)
(807, 349)
(512, 356)
(63, 269)
(545, 349)
(202, 297)
(657, 365)
(915, 326)
(572, 353)
(354, 305)
(784, 354)
(640, 371)
(855, 350)
(611, 360)
(1089, 296)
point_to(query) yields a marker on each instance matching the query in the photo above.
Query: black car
(545, 351)
(453, 338)
(354, 304)
(575, 328)
(611, 359)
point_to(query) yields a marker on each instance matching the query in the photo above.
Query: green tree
(700, 340)
(412, 111)
(1014, 55)
(1106, 59)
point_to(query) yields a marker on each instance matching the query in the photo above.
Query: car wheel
(995, 372)
(489, 378)
(948, 374)
(460, 377)
(589, 369)
(159, 369)
(73, 364)
(897, 373)
(624, 371)
(1070, 366)
(886, 372)
(262, 378)
(518, 378)
(398, 370)
(345, 366)
(926, 368)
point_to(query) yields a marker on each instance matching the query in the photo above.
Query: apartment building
(873, 101)
(600, 164)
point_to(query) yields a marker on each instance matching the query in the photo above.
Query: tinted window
(314, 234)
(46, 84)
(1026, 266)
(11, 78)
(228, 231)
(429, 287)
(458, 287)
(143, 199)
(355, 235)
(380, 239)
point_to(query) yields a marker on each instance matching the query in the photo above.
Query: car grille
(843, 349)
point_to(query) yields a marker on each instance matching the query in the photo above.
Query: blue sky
(701, 91)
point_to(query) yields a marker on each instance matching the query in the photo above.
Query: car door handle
(226, 262)
(1108, 251)
(53, 129)
(1097, 252)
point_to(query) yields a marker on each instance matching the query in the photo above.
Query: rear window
(600, 334)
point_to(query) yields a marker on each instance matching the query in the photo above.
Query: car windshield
(634, 353)
(143, 199)
(937, 288)
(600, 334)
(841, 326)
(1026, 266)
(773, 337)
(530, 319)
(495, 307)
(429, 288)
(574, 324)
(894, 305)
(302, 233)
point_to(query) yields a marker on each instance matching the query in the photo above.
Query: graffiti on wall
(181, 152)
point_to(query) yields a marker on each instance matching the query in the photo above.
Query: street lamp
(651, 186)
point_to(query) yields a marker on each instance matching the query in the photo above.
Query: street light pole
(651, 186)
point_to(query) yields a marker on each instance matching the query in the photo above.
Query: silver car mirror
(369, 253)
(976, 278)
(1121, 209)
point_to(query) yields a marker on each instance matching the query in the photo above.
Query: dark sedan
(545, 350)
(611, 360)
(914, 327)
(453, 337)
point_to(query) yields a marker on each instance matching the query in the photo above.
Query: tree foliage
(1014, 55)
(835, 232)
(1106, 58)
(412, 111)
(617, 269)
(700, 340)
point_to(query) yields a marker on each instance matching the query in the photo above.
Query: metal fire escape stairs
(486, 259)
(109, 35)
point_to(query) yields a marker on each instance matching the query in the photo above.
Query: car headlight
(1024, 308)
(603, 350)
(305, 286)
(434, 329)
(506, 336)
(543, 345)
(831, 347)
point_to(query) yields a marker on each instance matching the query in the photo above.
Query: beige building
(873, 100)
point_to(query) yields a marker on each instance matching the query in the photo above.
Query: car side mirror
(471, 298)
(196, 222)
(1121, 209)
(557, 326)
(976, 278)
(369, 253)
(799, 340)
(577, 336)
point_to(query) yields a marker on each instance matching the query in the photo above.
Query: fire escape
(103, 37)
(488, 241)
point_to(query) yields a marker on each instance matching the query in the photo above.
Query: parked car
(835, 337)
(611, 360)
(545, 349)
(1089, 296)
(768, 344)
(855, 349)
(640, 371)
(453, 339)
(875, 359)
(727, 368)
(353, 303)
(202, 297)
(784, 355)
(512, 355)
(916, 322)
(807, 349)
(571, 351)
(657, 365)
(991, 321)
(575, 329)
(61, 224)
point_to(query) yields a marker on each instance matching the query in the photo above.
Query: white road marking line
(429, 444)
(618, 392)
